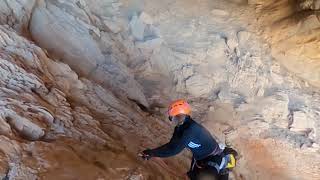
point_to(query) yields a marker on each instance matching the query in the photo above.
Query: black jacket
(189, 135)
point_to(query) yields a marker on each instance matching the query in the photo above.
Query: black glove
(146, 154)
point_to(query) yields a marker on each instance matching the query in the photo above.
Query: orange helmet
(179, 107)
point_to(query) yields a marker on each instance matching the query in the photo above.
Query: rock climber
(207, 153)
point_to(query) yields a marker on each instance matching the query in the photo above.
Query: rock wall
(85, 85)
(74, 109)
(292, 28)
(55, 124)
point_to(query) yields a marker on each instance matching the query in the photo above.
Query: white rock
(146, 18)
(24, 127)
(276, 110)
(276, 78)
(187, 71)
(136, 177)
(149, 44)
(151, 32)
(112, 26)
(232, 43)
(226, 96)
(219, 12)
(243, 36)
(273, 109)
(212, 109)
(137, 28)
(116, 5)
(82, 3)
(216, 52)
(71, 41)
(302, 122)
(67, 37)
(199, 85)
(16, 12)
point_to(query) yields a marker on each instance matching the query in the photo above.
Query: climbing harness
(227, 162)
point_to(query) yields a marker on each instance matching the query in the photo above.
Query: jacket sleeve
(173, 147)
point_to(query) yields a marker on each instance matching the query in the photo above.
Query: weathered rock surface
(67, 36)
(89, 91)
(16, 14)
(292, 28)
(44, 101)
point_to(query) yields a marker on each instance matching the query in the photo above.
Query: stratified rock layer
(85, 85)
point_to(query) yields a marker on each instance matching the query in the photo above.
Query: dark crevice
(7, 176)
(100, 165)
(141, 106)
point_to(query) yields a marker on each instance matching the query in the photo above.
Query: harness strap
(217, 166)
(226, 160)
(224, 163)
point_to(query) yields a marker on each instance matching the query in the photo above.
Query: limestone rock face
(68, 37)
(16, 14)
(44, 106)
(292, 28)
(85, 84)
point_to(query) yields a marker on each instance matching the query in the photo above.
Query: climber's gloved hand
(146, 154)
